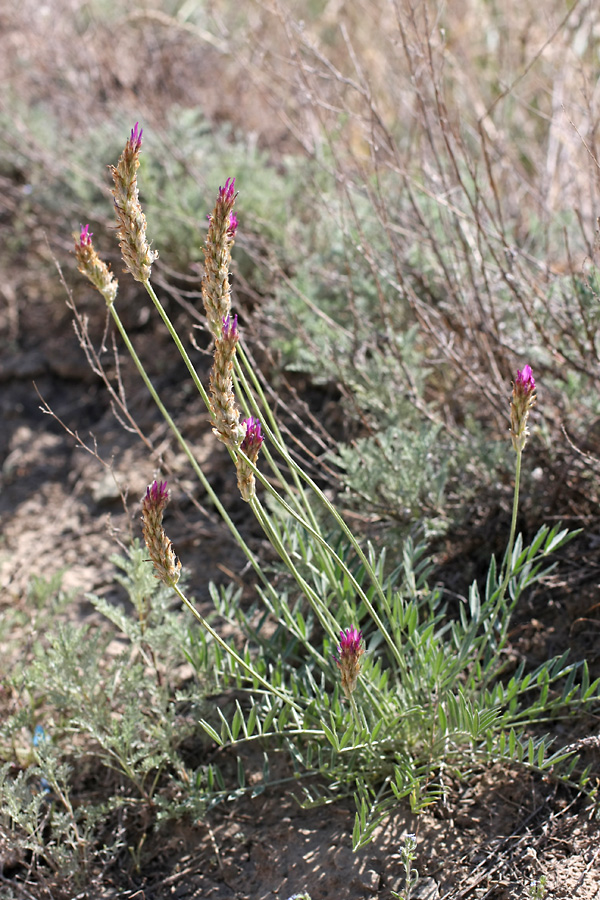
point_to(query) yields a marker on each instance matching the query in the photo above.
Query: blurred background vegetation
(418, 199)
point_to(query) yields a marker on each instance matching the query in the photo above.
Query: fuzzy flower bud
(135, 249)
(90, 265)
(216, 289)
(224, 412)
(523, 398)
(160, 548)
(250, 445)
(350, 650)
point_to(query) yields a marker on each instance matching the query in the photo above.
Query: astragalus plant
(355, 664)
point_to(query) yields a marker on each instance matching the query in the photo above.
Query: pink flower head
(227, 193)
(85, 238)
(157, 496)
(230, 329)
(350, 641)
(350, 650)
(523, 398)
(167, 566)
(525, 382)
(136, 137)
(253, 440)
(233, 224)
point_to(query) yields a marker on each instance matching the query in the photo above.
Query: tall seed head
(216, 289)
(160, 548)
(135, 249)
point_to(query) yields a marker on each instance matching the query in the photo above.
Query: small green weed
(105, 708)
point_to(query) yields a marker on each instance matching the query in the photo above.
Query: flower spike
(523, 399)
(350, 650)
(224, 412)
(160, 548)
(216, 289)
(90, 265)
(135, 249)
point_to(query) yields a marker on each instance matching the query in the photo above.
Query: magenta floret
(525, 382)
(157, 493)
(227, 193)
(350, 643)
(254, 438)
(230, 327)
(85, 238)
(233, 224)
(136, 137)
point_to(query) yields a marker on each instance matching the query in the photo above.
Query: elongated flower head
(350, 650)
(135, 249)
(160, 548)
(224, 412)
(90, 265)
(523, 399)
(222, 226)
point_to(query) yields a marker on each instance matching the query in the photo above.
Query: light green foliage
(441, 707)
(107, 698)
(409, 855)
(344, 317)
(537, 889)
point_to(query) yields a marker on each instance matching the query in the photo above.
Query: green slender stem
(238, 659)
(327, 620)
(355, 713)
(183, 444)
(395, 649)
(513, 529)
(297, 495)
(500, 609)
(206, 484)
(263, 519)
(274, 436)
(294, 468)
(177, 341)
